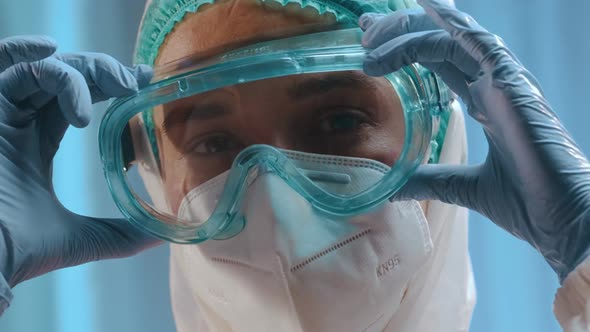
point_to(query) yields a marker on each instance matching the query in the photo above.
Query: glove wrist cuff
(571, 298)
(5, 291)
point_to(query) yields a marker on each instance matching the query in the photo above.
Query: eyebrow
(314, 86)
(201, 112)
(305, 88)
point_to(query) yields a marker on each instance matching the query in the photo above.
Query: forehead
(227, 24)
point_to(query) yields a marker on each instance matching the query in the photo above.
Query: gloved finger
(55, 78)
(394, 25)
(105, 76)
(486, 48)
(103, 238)
(452, 184)
(453, 77)
(14, 50)
(143, 74)
(55, 125)
(368, 19)
(52, 130)
(426, 46)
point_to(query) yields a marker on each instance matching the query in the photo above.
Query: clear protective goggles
(300, 107)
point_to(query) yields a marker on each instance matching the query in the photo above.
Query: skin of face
(361, 117)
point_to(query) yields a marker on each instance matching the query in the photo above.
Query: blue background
(515, 286)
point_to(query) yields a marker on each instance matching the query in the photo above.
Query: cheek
(182, 177)
(424, 206)
(174, 193)
(173, 173)
(172, 177)
(387, 140)
(385, 147)
(389, 136)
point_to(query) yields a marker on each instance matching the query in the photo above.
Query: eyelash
(204, 139)
(363, 118)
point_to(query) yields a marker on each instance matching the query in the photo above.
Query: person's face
(341, 113)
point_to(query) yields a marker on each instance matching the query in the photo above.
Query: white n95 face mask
(294, 268)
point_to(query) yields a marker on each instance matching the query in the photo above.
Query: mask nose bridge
(264, 159)
(258, 160)
(267, 159)
(258, 154)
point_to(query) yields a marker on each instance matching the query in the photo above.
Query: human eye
(338, 122)
(214, 144)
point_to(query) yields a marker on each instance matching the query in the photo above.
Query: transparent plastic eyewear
(204, 121)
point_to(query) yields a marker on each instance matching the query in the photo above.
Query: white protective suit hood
(440, 297)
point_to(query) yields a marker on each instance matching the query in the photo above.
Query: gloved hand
(41, 94)
(535, 181)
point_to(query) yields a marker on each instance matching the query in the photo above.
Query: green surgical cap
(161, 16)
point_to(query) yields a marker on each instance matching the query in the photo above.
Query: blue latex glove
(41, 94)
(535, 181)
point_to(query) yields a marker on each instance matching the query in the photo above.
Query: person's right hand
(41, 94)
(535, 181)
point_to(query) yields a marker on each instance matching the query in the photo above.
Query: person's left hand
(535, 181)
(41, 95)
